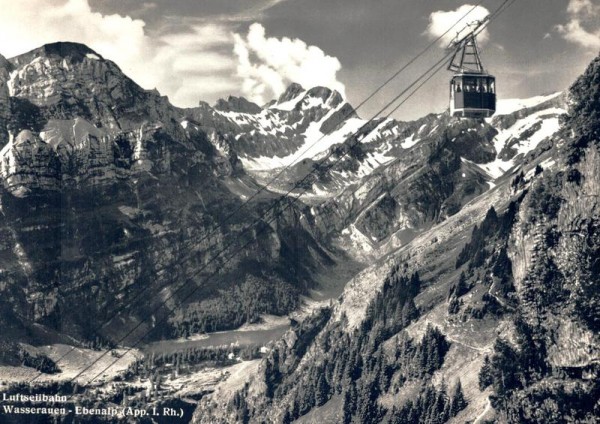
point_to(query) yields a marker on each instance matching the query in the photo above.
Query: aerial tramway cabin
(472, 90)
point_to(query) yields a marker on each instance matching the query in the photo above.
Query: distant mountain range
(476, 242)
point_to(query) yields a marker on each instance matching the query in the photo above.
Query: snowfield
(508, 106)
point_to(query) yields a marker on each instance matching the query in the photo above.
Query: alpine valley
(294, 262)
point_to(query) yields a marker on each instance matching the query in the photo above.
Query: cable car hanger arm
(466, 58)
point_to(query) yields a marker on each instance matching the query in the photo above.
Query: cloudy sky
(195, 50)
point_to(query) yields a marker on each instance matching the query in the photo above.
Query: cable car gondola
(472, 90)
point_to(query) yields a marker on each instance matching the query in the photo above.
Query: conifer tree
(485, 374)
(457, 400)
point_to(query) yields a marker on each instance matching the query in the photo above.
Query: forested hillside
(492, 315)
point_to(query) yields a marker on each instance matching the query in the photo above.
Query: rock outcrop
(237, 104)
(5, 68)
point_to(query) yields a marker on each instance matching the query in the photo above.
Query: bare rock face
(423, 185)
(106, 189)
(79, 132)
(340, 116)
(237, 104)
(530, 309)
(290, 93)
(507, 120)
(472, 140)
(279, 129)
(93, 124)
(29, 164)
(5, 67)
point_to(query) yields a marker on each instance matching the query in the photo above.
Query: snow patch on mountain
(508, 106)
(548, 128)
(379, 132)
(376, 159)
(523, 136)
(315, 144)
(317, 97)
(305, 124)
(289, 105)
(312, 102)
(356, 240)
(410, 142)
(494, 169)
(362, 192)
(266, 122)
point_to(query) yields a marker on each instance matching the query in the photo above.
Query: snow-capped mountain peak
(306, 124)
(299, 99)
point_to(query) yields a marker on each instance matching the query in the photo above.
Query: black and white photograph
(299, 211)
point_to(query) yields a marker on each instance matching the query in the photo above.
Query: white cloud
(180, 65)
(201, 35)
(440, 21)
(268, 64)
(253, 10)
(582, 6)
(195, 65)
(583, 26)
(204, 87)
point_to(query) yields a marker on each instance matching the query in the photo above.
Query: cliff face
(561, 224)
(554, 246)
(80, 117)
(108, 190)
(109, 203)
(5, 68)
(423, 185)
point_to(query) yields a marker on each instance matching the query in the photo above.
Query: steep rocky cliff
(5, 68)
(109, 204)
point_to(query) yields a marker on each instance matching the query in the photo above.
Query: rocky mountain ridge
(79, 128)
(108, 191)
(105, 195)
